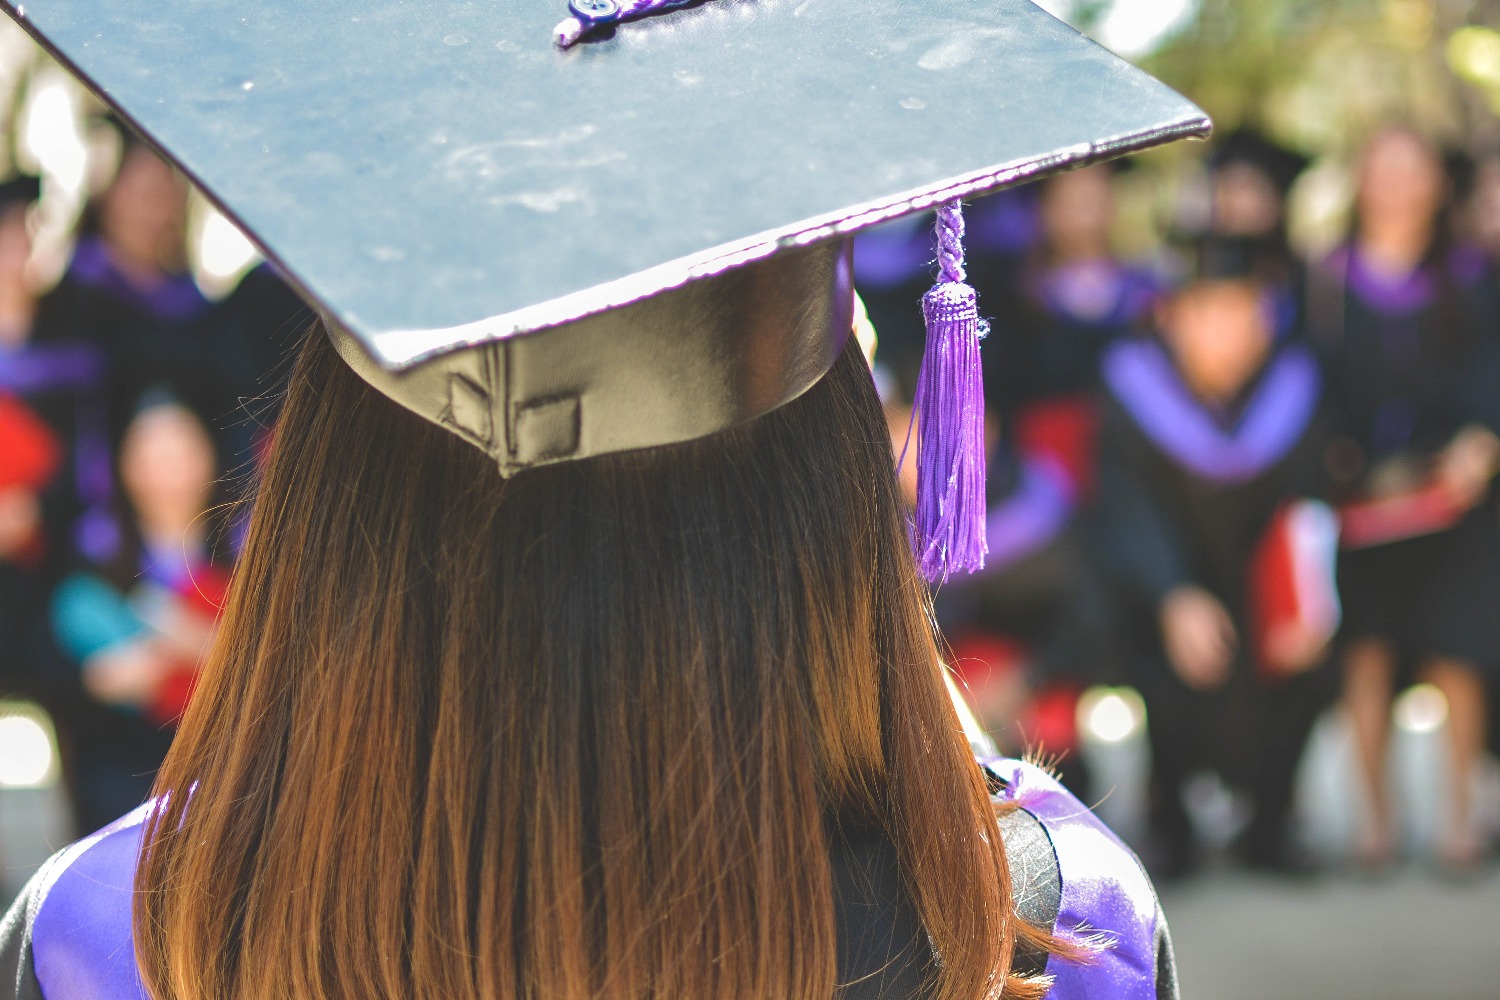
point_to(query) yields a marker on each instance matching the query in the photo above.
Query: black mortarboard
(20, 189)
(1227, 258)
(440, 176)
(1246, 145)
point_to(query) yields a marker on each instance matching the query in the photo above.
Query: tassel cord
(591, 14)
(948, 528)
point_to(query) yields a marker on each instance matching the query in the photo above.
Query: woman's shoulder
(67, 936)
(1071, 875)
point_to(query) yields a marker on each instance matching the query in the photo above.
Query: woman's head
(1078, 211)
(142, 215)
(1219, 325)
(1402, 181)
(1220, 333)
(589, 728)
(167, 462)
(1246, 201)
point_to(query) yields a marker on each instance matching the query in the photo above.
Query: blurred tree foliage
(1320, 74)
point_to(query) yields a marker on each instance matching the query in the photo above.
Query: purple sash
(1124, 293)
(46, 367)
(1108, 905)
(1141, 376)
(79, 368)
(1401, 294)
(174, 298)
(1032, 515)
(81, 945)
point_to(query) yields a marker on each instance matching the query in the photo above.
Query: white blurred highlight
(1111, 715)
(28, 748)
(221, 252)
(1422, 709)
(1131, 28)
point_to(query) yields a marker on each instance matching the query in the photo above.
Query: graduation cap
(1251, 148)
(630, 236)
(1229, 258)
(19, 189)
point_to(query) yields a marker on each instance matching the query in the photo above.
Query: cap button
(594, 11)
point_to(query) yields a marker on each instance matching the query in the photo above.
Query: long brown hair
(581, 733)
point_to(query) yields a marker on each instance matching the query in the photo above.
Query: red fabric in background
(204, 595)
(1381, 520)
(29, 452)
(1292, 585)
(980, 657)
(1067, 430)
(1048, 723)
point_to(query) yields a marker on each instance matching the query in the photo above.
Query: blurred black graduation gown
(1186, 495)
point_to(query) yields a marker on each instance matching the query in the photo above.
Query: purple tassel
(948, 533)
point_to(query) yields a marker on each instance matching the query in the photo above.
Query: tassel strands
(948, 532)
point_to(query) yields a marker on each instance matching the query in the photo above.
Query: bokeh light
(1111, 715)
(28, 749)
(1422, 709)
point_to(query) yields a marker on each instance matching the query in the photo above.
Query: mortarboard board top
(435, 176)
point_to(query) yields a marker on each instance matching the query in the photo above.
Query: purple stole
(1140, 375)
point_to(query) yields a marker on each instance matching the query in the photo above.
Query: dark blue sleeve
(17, 976)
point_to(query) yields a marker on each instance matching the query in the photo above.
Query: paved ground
(1408, 936)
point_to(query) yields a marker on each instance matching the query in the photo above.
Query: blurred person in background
(1406, 325)
(1032, 629)
(1073, 298)
(1482, 216)
(257, 329)
(1484, 206)
(1250, 178)
(137, 618)
(30, 451)
(54, 458)
(128, 290)
(30, 456)
(1210, 435)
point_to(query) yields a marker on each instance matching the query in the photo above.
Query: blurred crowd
(129, 402)
(1244, 483)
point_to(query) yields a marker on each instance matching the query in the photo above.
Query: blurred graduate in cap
(1250, 178)
(1406, 322)
(580, 644)
(1211, 463)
